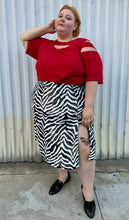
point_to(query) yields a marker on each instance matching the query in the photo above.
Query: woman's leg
(62, 174)
(86, 170)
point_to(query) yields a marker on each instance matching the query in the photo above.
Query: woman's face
(65, 22)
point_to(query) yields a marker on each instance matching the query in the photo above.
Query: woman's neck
(65, 38)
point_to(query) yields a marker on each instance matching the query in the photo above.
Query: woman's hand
(87, 116)
(51, 27)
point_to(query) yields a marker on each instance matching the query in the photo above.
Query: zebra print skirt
(57, 113)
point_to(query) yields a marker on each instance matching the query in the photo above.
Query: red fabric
(93, 66)
(67, 65)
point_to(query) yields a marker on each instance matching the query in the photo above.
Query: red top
(67, 65)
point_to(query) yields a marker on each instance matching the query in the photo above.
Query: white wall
(106, 24)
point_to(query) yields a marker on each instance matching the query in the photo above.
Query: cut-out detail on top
(87, 41)
(85, 49)
(61, 46)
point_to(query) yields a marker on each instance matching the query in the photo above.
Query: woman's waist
(70, 80)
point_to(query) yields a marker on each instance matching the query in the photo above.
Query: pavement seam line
(98, 203)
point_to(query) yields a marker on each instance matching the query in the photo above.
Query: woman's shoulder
(80, 39)
(45, 40)
(84, 42)
(42, 40)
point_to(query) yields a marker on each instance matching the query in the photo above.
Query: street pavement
(24, 192)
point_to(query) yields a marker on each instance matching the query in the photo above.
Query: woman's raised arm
(37, 32)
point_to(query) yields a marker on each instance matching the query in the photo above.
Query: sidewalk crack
(98, 203)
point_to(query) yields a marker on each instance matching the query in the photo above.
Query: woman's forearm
(34, 33)
(37, 32)
(90, 95)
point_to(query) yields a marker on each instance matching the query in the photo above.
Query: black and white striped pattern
(57, 113)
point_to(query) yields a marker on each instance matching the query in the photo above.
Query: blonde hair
(76, 32)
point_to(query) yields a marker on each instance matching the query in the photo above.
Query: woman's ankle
(62, 175)
(88, 195)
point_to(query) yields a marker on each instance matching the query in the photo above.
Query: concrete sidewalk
(24, 192)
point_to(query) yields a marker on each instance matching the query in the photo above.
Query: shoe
(89, 207)
(58, 184)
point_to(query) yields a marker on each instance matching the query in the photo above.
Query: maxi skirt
(57, 113)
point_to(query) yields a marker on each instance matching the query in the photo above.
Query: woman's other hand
(87, 116)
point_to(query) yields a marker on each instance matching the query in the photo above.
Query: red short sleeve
(93, 66)
(33, 47)
(85, 43)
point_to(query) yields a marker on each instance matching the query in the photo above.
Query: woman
(68, 72)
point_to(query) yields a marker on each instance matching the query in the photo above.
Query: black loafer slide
(89, 207)
(57, 185)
